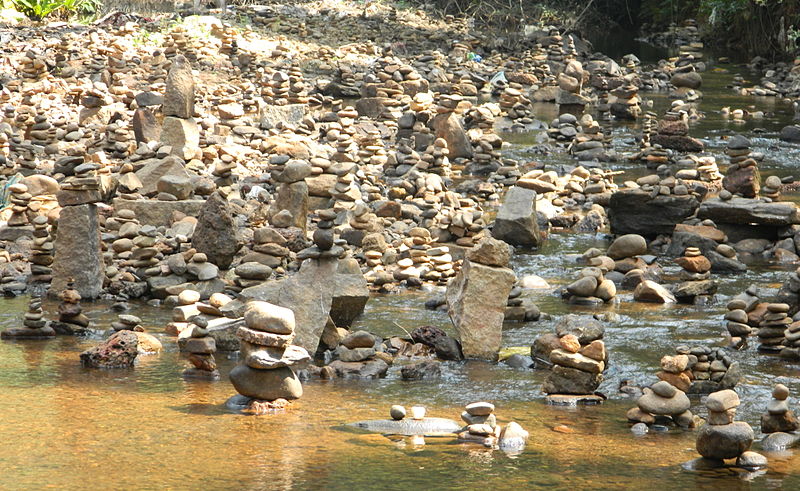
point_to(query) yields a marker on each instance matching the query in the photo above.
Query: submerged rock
(426, 426)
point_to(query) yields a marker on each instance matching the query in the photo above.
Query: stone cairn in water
(662, 403)
(778, 416)
(700, 370)
(481, 424)
(771, 330)
(71, 319)
(265, 376)
(723, 438)
(737, 322)
(577, 371)
(592, 288)
(201, 348)
(34, 324)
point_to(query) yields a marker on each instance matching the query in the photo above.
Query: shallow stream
(64, 426)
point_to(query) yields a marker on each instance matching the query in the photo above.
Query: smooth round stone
(397, 412)
(652, 403)
(737, 315)
(253, 271)
(359, 339)
(188, 297)
(219, 300)
(266, 385)
(639, 429)
(780, 392)
(264, 316)
(778, 308)
(664, 389)
(724, 441)
(736, 305)
(480, 408)
(199, 257)
(751, 461)
(417, 412)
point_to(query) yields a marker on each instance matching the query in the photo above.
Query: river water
(64, 426)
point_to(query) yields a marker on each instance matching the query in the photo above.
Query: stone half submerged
(409, 427)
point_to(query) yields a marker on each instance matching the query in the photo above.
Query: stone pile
(737, 322)
(791, 343)
(19, 198)
(772, 328)
(577, 371)
(267, 353)
(700, 370)
(742, 177)
(71, 319)
(625, 102)
(41, 251)
(592, 288)
(662, 403)
(200, 347)
(563, 128)
(127, 322)
(723, 438)
(481, 423)
(695, 273)
(673, 132)
(779, 417)
(35, 326)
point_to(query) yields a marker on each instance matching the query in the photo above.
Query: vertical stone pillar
(77, 252)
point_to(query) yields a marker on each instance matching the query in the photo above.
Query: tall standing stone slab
(179, 91)
(294, 198)
(516, 220)
(309, 294)
(216, 234)
(78, 255)
(476, 303)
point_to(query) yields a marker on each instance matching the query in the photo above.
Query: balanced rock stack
(673, 131)
(695, 273)
(779, 418)
(127, 322)
(721, 437)
(700, 370)
(71, 319)
(742, 177)
(33, 66)
(81, 188)
(200, 347)
(737, 322)
(625, 102)
(265, 373)
(772, 188)
(481, 423)
(35, 326)
(19, 198)
(41, 251)
(791, 343)
(771, 330)
(578, 364)
(563, 128)
(591, 289)
(662, 402)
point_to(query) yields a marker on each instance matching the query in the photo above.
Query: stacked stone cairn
(41, 251)
(723, 438)
(127, 322)
(591, 289)
(742, 178)
(773, 327)
(481, 423)
(265, 374)
(700, 370)
(35, 326)
(772, 188)
(737, 322)
(662, 403)
(19, 198)
(779, 418)
(577, 370)
(791, 350)
(200, 347)
(695, 273)
(625, 102)
(563, 128)
(71, 319)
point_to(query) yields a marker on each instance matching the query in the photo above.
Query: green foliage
(39, 9)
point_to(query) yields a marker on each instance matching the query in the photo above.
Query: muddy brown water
(63, 426)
